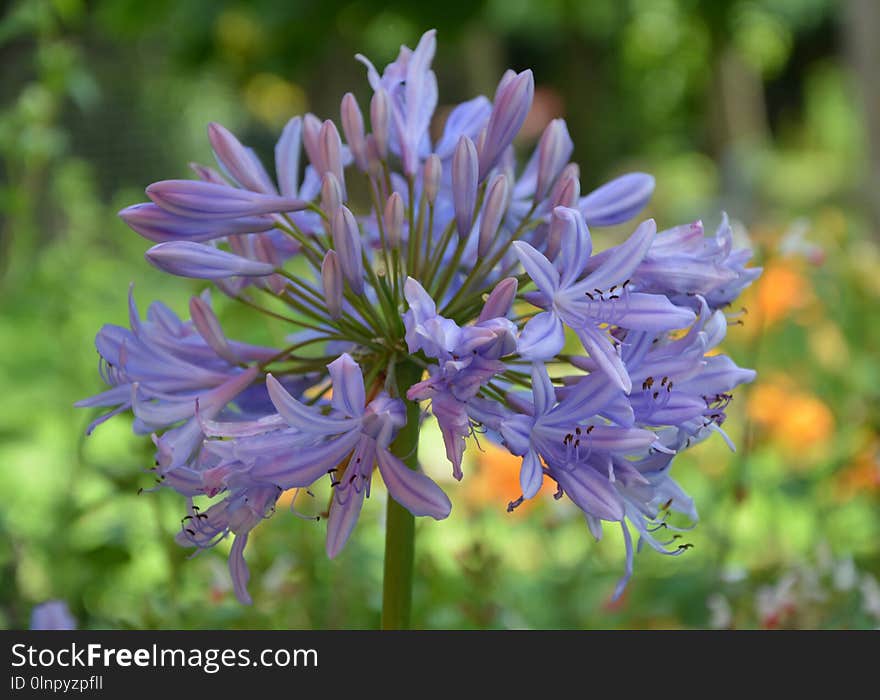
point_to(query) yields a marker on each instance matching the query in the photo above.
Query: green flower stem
(400, 523)
(427, 277)
(484, 265)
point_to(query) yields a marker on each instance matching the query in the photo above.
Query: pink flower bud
(353, 128)
(380, 118)
(497, 198)
(431, 177)
(464, 184)
(393, 218)
(331, 281)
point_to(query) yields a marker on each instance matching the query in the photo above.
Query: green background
(767, 109)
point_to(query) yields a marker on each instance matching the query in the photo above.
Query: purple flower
(411, 89)
(187, 259)
(52, 615)
(601, 297)
(158, 225)
(468, 358)
(617, 201)
(240, 163)
(463, 284)
(573, 442)
(164, 364)
(464, 184)
(346, 443)
(552, 154)
(238, 513)
(513, 100)
(206, 200)
(347, 242)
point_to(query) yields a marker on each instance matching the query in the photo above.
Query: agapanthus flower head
(467, 288)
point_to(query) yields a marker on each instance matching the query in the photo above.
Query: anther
(513, 505)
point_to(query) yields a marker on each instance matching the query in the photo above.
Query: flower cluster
(467, 284)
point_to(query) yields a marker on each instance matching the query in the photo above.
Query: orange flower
(494, 481)
(796, 419)
(781, 290)
(862, 475)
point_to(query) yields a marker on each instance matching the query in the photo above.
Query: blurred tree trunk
(737, 126)
(861, 29)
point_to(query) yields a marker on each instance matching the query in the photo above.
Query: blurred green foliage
(744, 105)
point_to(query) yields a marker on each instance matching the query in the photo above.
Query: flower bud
(347, 243)
(311, 140)
(331, 194)
(331, 153)
(380, 120)
(393, 218)
(513, 99)
(287, 155)
(187, 259)
(239, 162)
(203, 172)
(374, 160)
(493, 212)
(353, 128)
(500, 300)
(208, 326)
(554, 150)
(431, 177)
(207, 200)
(331, 281)
(155, 224)
(567, 190)
(464, 184)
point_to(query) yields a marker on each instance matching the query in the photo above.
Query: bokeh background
(768, 109)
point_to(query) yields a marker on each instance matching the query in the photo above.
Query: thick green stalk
(400, 524)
